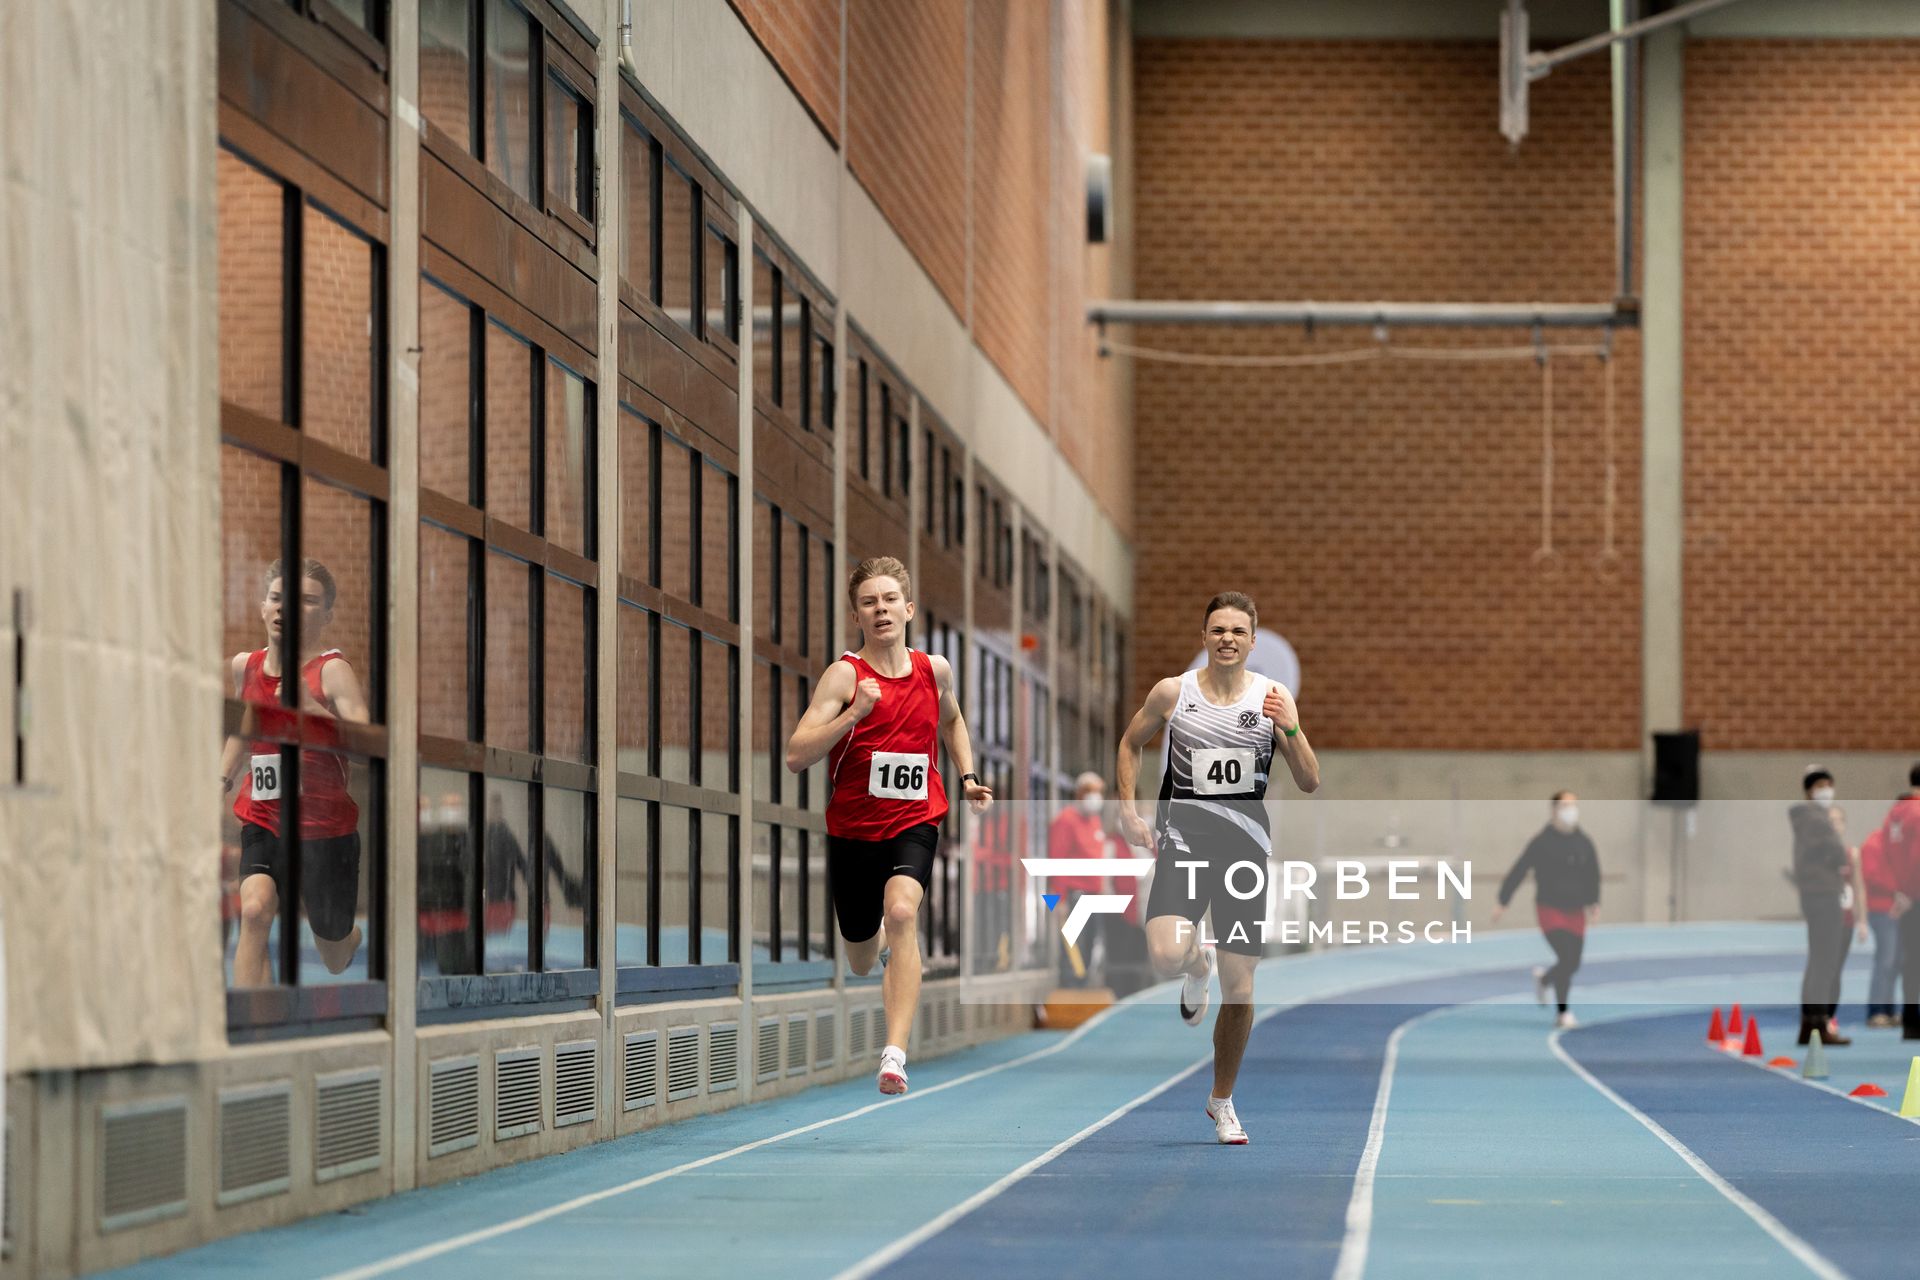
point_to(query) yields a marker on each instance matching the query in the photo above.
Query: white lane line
(884, 1256)
(449, 1245)
(439, 1248)
(1352, 1263)
(1793, 1244)
(1782, 1073)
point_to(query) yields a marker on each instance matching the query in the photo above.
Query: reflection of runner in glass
(1223, 725)
(880, 715)
(1566, 895)
(329, 819)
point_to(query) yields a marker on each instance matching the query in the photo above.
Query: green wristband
(1292, 732)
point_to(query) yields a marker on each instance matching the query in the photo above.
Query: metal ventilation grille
(723, 1056)
(766, 1050)
(796, 1044)
(940, 1020)
(256, 1145)
(576, 1079)
(856, 1033)
(516, 1093)
(143, 1162)
(824, 1026)
(346, 1123)
(640, 1073)
(453, 1114)
(683, 1062)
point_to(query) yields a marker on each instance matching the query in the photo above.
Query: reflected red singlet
(885, 773)
(325, 807)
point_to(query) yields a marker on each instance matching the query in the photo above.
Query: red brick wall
(1802, 426)
(1384, 515)
(1012, 142)
(906, 126)
(802, 37)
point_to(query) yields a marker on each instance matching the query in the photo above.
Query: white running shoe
(893, 1071)
(1226, 1125)
(1197, 993)
(1539, 985)
(1566, 1022)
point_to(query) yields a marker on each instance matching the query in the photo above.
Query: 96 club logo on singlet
(898, 775)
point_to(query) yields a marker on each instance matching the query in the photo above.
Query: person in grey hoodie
(1821, 865)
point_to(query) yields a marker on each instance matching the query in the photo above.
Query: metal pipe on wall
(1626, 114)
(1539, 64)
(1481, 315)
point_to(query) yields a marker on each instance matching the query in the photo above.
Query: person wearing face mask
(1566, 896)
(1821, 868)
(1077, 832)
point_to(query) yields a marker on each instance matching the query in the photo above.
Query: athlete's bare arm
(1148, 721)
(342, 687)
(231, 752)
(839, 702)
(953, 732)
(1294, 749)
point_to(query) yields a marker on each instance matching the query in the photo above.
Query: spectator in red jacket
(1079, 833)
(1901, 848)
(1877, 875)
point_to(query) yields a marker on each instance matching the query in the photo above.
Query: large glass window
(303, 661)
(446, 391)
(722, 265)
(766, 328)
(508, 590)
(569, 146)
(679, 245)
(677, 850)
(446, 67)
(508, 87)
(640, 163)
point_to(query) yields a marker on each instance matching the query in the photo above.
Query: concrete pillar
(1662, 427)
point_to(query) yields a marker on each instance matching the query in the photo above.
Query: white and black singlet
(1213, 809)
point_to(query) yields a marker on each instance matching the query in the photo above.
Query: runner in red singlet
(880, 716)
(329, 819)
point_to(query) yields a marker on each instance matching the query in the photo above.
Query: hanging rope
(1607, 563)
(1607, 560)
(1545, 556)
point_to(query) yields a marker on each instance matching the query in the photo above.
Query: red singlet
(326, 809)
(885, 772)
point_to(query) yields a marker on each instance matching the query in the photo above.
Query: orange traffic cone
(1716, 1030)
(1752, 1048)
(1867, 1091)
(1782, 1062)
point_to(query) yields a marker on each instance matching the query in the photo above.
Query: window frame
(536, 988)
(579, 83)
(307, 191)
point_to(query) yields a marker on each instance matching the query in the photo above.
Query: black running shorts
(858, 871)
(1189, 833)
(329, 875)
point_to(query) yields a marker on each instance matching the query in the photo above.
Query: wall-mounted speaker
(1676, 767)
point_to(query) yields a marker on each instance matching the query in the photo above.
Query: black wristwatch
(969, 777)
